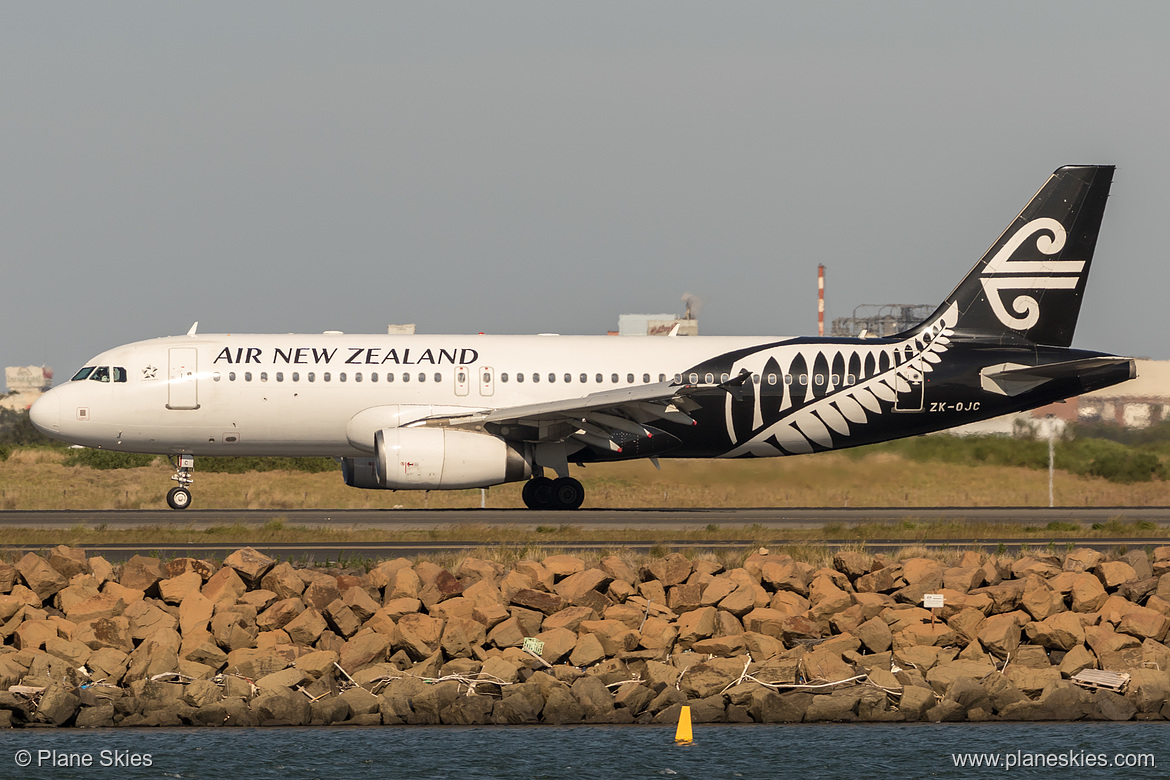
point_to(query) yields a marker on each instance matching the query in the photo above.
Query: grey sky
(525, 167)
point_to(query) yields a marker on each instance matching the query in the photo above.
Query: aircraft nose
(45, 414)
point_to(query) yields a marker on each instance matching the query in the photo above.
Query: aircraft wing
(598, 419)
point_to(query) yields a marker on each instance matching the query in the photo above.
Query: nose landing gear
(180, 497)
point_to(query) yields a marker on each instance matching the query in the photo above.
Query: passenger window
(724, 377)
(296, 376)
(389, 377)
(279, 376)
(646, 378)
(629, 379)
(755, 379)
(613, 378)
(422, 377)
(520, 377)
(101, 374)
(678, 379)
(850, 379)
(82, 374)
(120, 374)
(438, 377)
(599, 379)
(461, 377)
(341, 377)
(373, 376)
(504, 377)
(326, 376)
(247, 376)
(568, 377)
(535, 377)
(552, 377)
(694, 379)
(834, 379)
(231, 376)
(708, 379)
(405, 377)
(357, 377)
(804, 380)
(771, 379)
(662, 377)
(214, 376)
(788, 379)
(311, 377)
(263, 376)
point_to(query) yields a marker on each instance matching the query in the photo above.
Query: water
(567, 753)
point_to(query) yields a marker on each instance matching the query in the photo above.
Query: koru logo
(1003, 273)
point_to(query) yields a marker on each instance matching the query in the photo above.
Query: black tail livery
(1030, 283)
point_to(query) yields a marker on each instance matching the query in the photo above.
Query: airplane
(442, 412)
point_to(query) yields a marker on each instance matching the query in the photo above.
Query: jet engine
(437, 459)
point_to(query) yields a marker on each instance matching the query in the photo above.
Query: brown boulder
(250, 564)
(195, 612)
(363, 650)
(579, 588)
(696, 624)
(419, 635)
(1087, 593)
(224, 586)
(69, 561)
(670, 570)
(1000, 634)
(560, 566)
(279, 614)
(1062, 631)
(41, 578)
(538, 600)
(142, 573)
(1114, 573)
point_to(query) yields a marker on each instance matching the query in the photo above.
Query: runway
(585, 519)
(754, 523)
(355, 554)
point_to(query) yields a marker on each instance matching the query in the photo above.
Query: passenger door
(182, 383)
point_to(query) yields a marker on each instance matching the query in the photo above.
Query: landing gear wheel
(567, 493)
(538, 493)
(179, 498)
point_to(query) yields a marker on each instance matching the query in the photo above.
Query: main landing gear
(180, 497)
(560, 493)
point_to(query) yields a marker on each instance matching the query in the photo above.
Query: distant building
(25, 384)
(655, 325)
(881, 319)
(400, 330)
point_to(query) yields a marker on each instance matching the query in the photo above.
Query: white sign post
(932, 601)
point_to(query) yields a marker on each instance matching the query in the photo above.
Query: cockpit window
(100, 374)
(82, 374)
(119, 374)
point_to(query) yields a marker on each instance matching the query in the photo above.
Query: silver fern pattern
(845, 387)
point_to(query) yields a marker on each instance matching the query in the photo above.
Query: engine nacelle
(360, 473)
(437, 459)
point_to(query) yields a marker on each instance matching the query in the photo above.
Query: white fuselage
(295, 394)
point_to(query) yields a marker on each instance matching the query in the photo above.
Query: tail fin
(1029, 284)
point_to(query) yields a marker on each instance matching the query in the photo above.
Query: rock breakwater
(567, 639)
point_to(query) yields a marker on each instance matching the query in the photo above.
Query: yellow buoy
(682, 734)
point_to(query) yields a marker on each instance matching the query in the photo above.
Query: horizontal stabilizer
(1014, 378)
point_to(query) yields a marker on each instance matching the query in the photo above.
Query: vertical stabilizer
(1030, 283)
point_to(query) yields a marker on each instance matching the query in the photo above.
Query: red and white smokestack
(820, 300)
